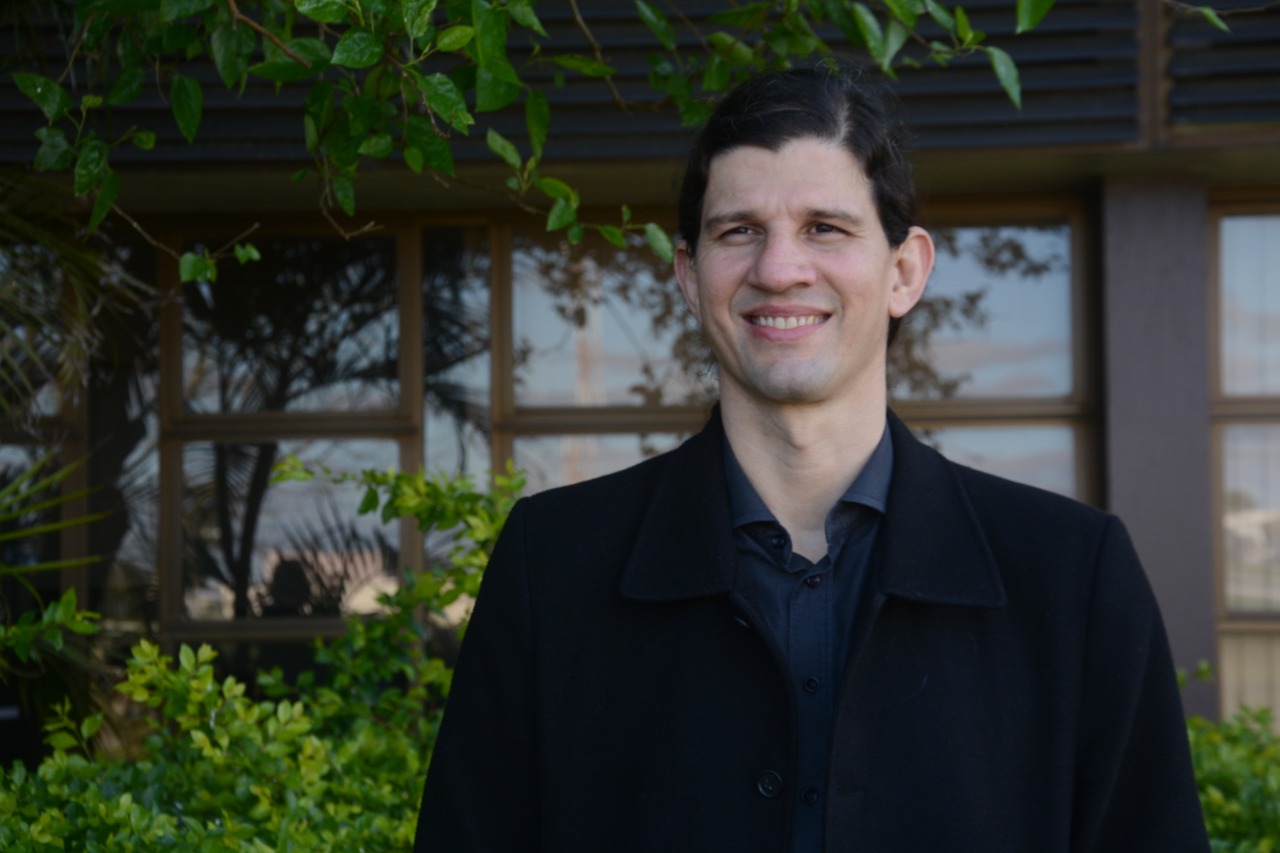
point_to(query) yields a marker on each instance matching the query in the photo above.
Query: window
(456, 347)
(990, 367)
(1246, 430)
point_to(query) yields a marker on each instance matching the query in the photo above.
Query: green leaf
(369, 502)
(732, 48)
(537, 120)
(188, 105)
(963, 30)
(562, 213)
(422, 137)
(869, 28)
(285, 70)
(659, 242)
(521, 11)
(905, 11)
(614, 235)
(50, 97)
(358, 48)
(446, 100)
(61, 741)
(940, 15)
(455, 38)
(91, 165)
(323, 11)
(144, 139)
(1031, 13)
(107, 192)
(716, 77)
(246, 252)
(187, 658)
(494, 93)
(747, 17)
(231, 47)
(1211, 15)
(172, 10)
(54, 154)
(344, 193)
(127, 87)
(1006, 73)
(657, 23)
(491, 41)
(89, 726)
(378, 146)
(417, 17)
(894, 38)
(843, 18)
(504, 149)
(85, 8)
(557, 189)
(193, 267)
(583, 65)
(414, 159)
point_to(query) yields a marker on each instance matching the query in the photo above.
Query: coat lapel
(684, 548)
(933, 546)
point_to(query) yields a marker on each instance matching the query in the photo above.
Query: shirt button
(813, 581)
(777, 541)
(811, 685)
(769, 784)
(810, 796)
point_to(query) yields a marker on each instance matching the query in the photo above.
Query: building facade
(1104, 321)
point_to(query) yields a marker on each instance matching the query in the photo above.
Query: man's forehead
(820, 183)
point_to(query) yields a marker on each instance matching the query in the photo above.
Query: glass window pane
(558, 460)
(1043, 456)
(312, 326)
(1250, 304)
(21, 467)
(1251, 517)
(596, 325)
(1250, 671)
(252, 549)
(995, 320)
(456, 329)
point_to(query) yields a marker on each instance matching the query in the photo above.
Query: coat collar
(931, 548)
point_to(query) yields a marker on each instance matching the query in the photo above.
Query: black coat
(1011, 687)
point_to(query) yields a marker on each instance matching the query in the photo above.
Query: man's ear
(687, 275)
(913, 261)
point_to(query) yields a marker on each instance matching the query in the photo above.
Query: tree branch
(237, 15)
(595, 48)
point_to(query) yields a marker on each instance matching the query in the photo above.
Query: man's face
(794, 280)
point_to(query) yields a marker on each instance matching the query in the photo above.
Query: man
(803, 630)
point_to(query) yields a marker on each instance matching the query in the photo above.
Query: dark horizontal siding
(1079, 71)
(1219, 78)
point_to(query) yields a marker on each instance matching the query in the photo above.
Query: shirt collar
(870, 488)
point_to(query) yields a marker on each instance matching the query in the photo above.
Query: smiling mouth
(788, 322)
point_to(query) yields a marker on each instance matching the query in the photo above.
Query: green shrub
(1238, 771)
(332, 764)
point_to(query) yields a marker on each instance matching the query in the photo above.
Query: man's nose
(782, 263)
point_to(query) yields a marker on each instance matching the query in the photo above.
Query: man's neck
(801, 459)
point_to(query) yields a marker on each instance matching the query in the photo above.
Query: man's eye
(825, 228)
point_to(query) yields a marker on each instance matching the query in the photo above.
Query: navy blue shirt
(806, 611)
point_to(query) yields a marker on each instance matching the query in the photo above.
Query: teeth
(791, 322)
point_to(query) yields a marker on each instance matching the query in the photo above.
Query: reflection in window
(560, 460)
(1251, 517)
(313, 326)
(1043, 456)
(252, 549)
(995, 320)
(596, 325)
(1249, 252)
(456, 330)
